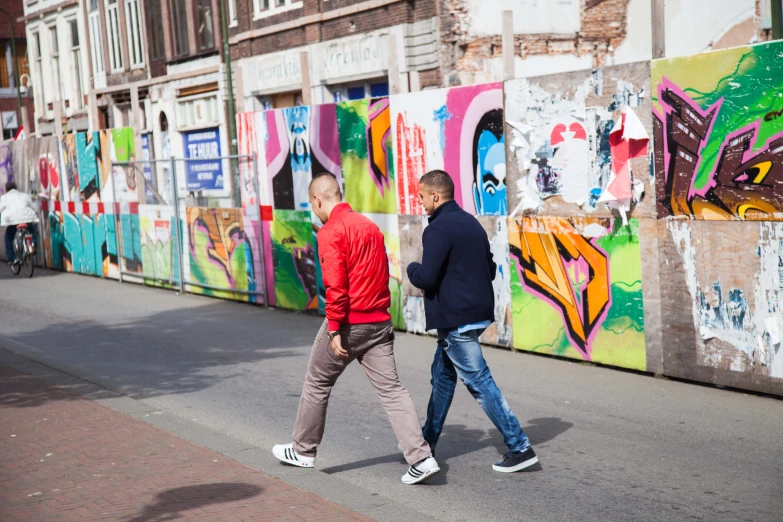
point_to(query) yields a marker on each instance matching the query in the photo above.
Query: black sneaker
(516, 461)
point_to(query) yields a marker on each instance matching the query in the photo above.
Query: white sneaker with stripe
(421, 471)
(287, 455)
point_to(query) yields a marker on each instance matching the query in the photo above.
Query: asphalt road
(613, 445)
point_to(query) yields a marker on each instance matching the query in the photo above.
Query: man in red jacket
(358, 326)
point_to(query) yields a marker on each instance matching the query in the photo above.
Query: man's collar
(448, 206)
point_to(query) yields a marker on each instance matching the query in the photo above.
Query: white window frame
(232, 13)
(135, 39)
(115, 37)
(274, 9)
(77, 70)
(38, 86)
(96, 43)
(54, 42)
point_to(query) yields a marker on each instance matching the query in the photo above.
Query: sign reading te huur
(204, 146)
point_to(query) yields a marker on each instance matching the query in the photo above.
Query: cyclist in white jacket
(16, 208)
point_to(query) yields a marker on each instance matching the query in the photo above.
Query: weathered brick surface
(67, 458)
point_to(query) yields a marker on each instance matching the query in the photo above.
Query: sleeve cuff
(334, 326)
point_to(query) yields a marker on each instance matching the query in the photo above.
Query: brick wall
(603, 29)
(16, 8)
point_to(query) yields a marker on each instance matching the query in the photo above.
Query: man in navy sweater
(456, 275)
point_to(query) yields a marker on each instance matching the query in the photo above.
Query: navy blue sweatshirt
(456, 271)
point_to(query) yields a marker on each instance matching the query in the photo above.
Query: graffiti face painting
(489, 164)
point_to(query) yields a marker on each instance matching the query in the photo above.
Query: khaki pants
(373, 346)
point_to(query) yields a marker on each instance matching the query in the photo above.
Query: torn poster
(628, 140)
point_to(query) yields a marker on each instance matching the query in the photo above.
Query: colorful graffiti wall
(459, 130)
(634, 211)
(293, 252)
(366, 155)
(578, 143)
(576, 287)
(719, 134)
(220, 255)
(299, 142)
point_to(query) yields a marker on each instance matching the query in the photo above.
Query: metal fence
(157, 182)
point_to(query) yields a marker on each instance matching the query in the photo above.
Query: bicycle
(24, 249)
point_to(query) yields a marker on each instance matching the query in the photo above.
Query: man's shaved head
(440, 182)
(325, 187)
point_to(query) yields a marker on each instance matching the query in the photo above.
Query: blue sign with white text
(203, 145)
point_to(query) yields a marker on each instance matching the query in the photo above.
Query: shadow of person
(544, 429)
(458, 440)
(168, 504)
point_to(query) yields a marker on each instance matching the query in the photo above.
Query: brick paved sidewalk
(63, 457)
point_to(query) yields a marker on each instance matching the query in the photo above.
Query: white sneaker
(421, 471)
(286, 454)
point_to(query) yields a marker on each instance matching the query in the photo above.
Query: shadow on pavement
(458, 440)
(163, 352)
(171, 502)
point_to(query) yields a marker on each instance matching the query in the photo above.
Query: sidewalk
(67, 458)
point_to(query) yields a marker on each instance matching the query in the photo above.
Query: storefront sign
(274, 71)
(203, 145)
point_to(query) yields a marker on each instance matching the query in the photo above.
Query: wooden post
(58, 118)
(26, 122)
(658, 29)
(508, 45)
(304, 71)
(394, 65)
(92, 102)
(135, 122)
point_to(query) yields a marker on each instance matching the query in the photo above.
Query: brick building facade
(11, 121)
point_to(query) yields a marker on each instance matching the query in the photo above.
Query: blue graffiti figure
(489, 165)
(298, 123)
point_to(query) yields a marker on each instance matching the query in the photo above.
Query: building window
(204, 33)
(76, 61)
(133, 21)
(56, 61)
(113, 22)
(232, 12)
(265, 8)
(198, 112)
(96, 42)
(180, 26)
(39, 71)
(359, 91)
(155, 29)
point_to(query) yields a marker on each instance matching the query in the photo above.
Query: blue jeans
(459, 355)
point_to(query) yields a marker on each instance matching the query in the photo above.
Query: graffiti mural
(86, 185)
(459, 130)
(300, 142)
(294, 260)
(366, 154)
(220, 255)
(160, 265)
(576, 289)
(390, 228)
(719, 134)
(255, 191)
(6, 164)
(43, 167)
(125, 176)
(579, 143)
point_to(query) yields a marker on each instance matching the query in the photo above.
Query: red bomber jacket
(355, 269)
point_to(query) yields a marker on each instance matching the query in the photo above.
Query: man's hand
(337, 346)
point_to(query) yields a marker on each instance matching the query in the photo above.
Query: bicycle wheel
(29, 265)
(16, 268)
